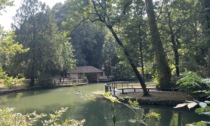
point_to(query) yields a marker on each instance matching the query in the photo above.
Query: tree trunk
(163, 69)
(141, 52)
(142, 60)
(141, 80)
(33, 65)
(174, 44)
(206, 8)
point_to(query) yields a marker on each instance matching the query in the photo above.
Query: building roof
(85, 69)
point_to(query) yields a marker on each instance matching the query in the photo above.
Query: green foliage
(122, 72)
(190, 82)
(8, 49)
(5, 3)
(9, 118)
(45, 81)
(133, 105)
(204, 106)
(203, 110)
(108, 96)
(50, 50)
(9, 82)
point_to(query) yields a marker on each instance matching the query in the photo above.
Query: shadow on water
(98, 112)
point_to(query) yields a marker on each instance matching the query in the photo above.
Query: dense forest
(129, 39)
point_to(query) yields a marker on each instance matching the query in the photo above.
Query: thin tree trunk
(141, 80)
(142, 60)
(130, 60)
(206, 7)
(164, 72)
(174, 44)
(141, 54)
(33, 56)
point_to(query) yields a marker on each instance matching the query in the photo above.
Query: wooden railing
(123, 85)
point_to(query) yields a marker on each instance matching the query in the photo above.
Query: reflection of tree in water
(176, 117)
(99, 113)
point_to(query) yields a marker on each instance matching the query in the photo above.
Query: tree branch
(75, 27)
(102, 19)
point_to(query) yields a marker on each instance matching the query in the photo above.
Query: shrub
(194, 84)
(10, 118)
(190, 82)
(45, 82)
(122, 72)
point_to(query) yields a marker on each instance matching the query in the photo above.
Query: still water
(98, 112)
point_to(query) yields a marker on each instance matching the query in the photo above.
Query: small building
(91, 73)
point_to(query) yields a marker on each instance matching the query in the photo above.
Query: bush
(194, 84)
(45, 82)
(121, 72)
(10, 118)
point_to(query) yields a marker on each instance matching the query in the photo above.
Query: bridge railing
(123, 86)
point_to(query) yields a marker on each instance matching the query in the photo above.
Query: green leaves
(153, 115)
(203, 110)
(9, 118)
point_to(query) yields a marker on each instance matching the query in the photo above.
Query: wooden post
(114, 90)
(106, 88)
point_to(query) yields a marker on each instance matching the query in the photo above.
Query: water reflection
(96, 113)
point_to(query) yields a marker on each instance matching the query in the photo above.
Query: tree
(26, 28)
(87, 39)
(206, 26)
(36, 29)
(163, 69)
(5, 3)
(8, 49)
(104, 13)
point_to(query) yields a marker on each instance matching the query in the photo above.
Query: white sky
(6, 17)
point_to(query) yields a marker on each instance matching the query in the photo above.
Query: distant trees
(87, 39)
(49, 49)
(174, 37)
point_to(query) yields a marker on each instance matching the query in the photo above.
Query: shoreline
(23, 89)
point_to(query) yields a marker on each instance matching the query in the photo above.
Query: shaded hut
(91, 73)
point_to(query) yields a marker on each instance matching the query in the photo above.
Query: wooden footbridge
(122, 87)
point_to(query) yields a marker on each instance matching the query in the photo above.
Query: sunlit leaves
(9, 118)
(5, 3)
(204, 110)
(153, 115)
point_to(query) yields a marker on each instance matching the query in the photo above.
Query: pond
(96, 112)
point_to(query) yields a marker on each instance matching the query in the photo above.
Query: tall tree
(104, 12)
(164, 73)
(87, 39)
(36, 29)
(206, 25)
(26, 19)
